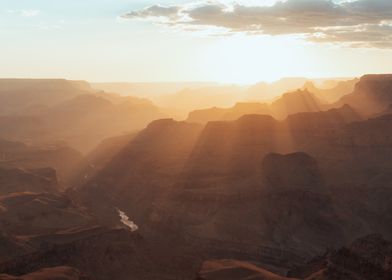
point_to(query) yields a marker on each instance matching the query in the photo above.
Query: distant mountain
(296, 102)
(287, 104)
(86, 120)
(149, 90)
(372, 94)
(192, 99)
(233, 113)
(50, 111)
(17, 95)
(266, 92)
(334, 93)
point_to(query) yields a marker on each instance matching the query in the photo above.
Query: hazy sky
(182, 40)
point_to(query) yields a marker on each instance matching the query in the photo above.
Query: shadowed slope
(146, 167)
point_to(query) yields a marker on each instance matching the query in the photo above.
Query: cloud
(361, 23)
(29, 13)
(170, 12)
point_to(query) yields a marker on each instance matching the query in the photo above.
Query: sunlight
(245, 59)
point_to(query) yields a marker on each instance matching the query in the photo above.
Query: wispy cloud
(30, 13)
(360, 23)
(23, 13)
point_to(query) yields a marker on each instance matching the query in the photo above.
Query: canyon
(294, 188)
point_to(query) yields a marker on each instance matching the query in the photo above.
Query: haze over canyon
(100, 185)
(196, 140)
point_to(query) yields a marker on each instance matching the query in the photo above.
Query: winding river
(125, 221)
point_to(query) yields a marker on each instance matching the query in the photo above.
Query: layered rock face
(105, 253)
(366, 258)
(60, 272)
(36, 180)
(285, 205)
(33, 213)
